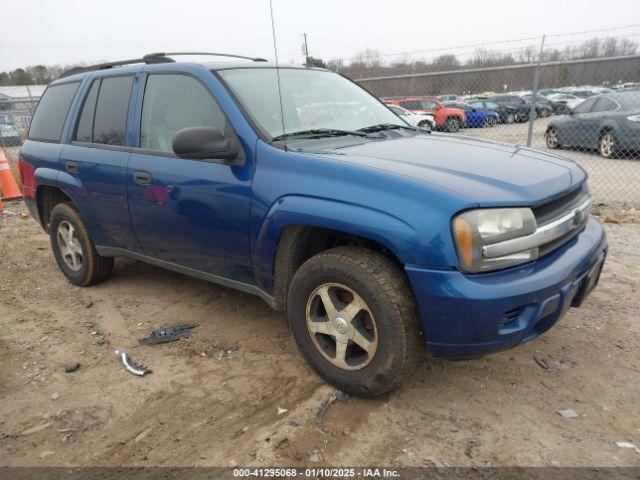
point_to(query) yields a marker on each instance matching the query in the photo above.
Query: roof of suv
(167, 60)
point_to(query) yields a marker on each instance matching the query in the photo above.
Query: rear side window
(111, 110)
(52, 111)
(411, 105)
(173, 102)
(104, 114)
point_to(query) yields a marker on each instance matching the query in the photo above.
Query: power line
(498, 42)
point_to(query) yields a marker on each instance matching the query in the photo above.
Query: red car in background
(447, 119)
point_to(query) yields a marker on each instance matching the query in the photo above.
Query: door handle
(72, 167)
(142, 178)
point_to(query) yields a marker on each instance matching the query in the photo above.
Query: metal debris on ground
(541, 362)
(628, 445)
(226, 352)
(130, 365)
(282, 410)
(167, 334)
(324, 406)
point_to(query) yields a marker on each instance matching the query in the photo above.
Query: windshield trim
(255, 125)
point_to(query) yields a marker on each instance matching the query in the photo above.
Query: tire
(73, 249)
(510, 118)
(486, 122)
(551, 138)
(492, 121)
(452, 124)
(608, 145)
(387, 319)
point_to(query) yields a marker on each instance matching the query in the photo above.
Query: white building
(17, 104)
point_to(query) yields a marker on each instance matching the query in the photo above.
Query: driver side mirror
(203, 143)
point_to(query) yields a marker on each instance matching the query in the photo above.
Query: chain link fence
(587, 110)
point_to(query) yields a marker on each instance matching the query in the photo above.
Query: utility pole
(534, 97)
(306, 50)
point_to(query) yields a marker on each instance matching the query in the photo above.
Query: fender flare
(390, 231)
(50, 177)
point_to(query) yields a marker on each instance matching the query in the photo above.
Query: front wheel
(608, 145)
(510, 118)
(551, 138)
(452, 124)
(73, 249)
(354, 319)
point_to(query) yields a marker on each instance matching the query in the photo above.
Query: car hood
(489, 173)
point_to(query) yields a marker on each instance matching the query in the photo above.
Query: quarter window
(52, 111)
(174, 102)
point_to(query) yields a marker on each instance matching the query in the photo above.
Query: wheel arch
(47, 197)
(297, 228)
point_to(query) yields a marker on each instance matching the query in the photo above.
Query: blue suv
(298, 186)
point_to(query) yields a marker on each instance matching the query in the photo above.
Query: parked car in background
(565, 102)
(9, 136)
(582, 92)
(506, 113)
(476, 117)
(548, 91)
(414, 118)
(448, 98)
(447, 119)
(521, 107)
(609, 123)
(544, 106)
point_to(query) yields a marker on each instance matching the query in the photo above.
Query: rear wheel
(73, 249)
(608, 145)
(510, 117)
(353, 317)
(492, 121)
(551, 138)
(452, 124)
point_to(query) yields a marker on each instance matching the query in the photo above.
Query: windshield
(311, 99)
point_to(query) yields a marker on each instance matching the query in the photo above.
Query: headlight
(474, 229)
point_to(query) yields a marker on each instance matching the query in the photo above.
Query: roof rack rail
(151, 58)
(104, 66)
(210, 54)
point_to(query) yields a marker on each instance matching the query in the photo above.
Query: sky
(69, 31)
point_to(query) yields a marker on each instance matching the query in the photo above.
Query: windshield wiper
(380, 127)
(319, 133)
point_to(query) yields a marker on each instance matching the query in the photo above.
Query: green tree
(316, 62)
(20, 77)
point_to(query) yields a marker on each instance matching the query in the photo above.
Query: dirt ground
(213, 399)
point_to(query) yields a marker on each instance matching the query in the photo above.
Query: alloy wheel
(69, 246)
(607, 145)
(341, 326)
(453, 125)
(551, 138)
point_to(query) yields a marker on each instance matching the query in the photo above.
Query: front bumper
(468, 316)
